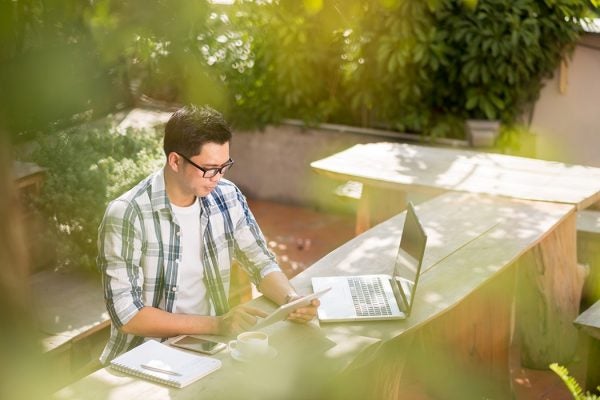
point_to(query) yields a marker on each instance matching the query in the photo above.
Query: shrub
(85, 170)
(407, 65)
(499, 53)
(419, 66)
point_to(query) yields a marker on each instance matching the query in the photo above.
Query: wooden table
(389, 170)
(422, 169)
(460, 326)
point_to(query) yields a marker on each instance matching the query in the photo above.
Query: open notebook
(164, 364)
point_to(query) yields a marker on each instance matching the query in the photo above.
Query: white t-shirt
(191, 290)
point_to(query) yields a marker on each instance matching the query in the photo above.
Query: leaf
(497, 101)
(569, 381)
(472, 102)
(488, 108)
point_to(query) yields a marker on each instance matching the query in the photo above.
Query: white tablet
(283, 311)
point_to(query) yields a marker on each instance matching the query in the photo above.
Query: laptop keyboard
(368, 297)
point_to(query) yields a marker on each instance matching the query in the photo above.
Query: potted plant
(482, 132)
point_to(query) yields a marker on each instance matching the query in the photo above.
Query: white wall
(568, 125)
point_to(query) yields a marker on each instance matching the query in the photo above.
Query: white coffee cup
(251, 344)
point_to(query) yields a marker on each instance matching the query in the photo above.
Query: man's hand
(238, 319)
(304, 314)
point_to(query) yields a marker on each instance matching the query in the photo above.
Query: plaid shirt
(139, 251)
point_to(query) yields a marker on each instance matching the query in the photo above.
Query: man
(166, 246)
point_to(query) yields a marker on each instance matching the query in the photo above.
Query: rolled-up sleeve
(119, 258)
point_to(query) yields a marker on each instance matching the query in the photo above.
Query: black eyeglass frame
(211, 171)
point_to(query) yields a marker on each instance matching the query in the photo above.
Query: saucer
(236, 355)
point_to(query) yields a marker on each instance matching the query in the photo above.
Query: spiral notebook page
(164, 364)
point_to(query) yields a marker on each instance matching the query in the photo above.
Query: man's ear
(174, 161)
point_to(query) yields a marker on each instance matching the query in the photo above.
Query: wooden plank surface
(430, 170)
(472, 240)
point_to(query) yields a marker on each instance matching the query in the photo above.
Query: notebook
(161, 363)
(377, 297)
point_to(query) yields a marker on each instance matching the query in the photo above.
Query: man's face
(212, 155)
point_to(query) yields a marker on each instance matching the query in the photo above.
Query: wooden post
(549, 285)
(376, 205)
(465, 352)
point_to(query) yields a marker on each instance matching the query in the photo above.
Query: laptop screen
(408, 261)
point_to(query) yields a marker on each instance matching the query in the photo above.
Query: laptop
(377, 297)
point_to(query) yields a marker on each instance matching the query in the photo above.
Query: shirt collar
(160, 200)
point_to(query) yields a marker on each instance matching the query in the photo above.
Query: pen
(158, 369)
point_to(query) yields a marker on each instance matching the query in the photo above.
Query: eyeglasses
(209, 172)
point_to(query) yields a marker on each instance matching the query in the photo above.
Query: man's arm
(154, 322)
(262, 266)
(277, 287)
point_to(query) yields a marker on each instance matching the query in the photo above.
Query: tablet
(283, 311)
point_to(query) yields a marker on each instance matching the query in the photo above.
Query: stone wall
(274, 164)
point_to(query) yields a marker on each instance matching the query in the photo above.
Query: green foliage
(572, 384)
(501, 51)
(420, 66)
(157, 43)
(50, 71)
(85, 170)
(277, 60)
(516, 139)
(405, 65)
(431, 65)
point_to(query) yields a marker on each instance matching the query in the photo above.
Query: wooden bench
(589, 322)
(74, 324)
(588, 253)
(588, 245)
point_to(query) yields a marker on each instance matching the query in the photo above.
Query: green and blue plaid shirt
(139, 251)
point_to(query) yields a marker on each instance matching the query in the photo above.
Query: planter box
(482, 133)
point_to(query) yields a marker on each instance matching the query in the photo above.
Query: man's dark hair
(190, 127)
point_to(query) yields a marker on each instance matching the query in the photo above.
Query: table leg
(465, 352)
(549, 286)
(377, 205)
